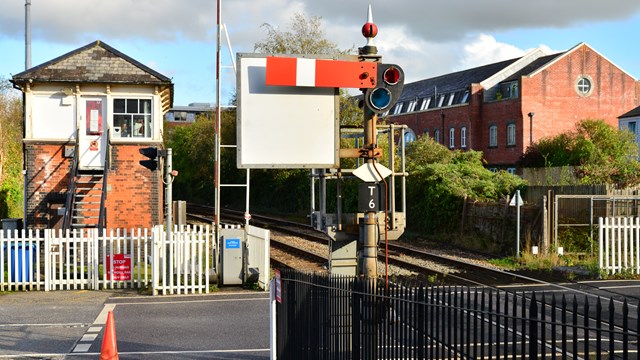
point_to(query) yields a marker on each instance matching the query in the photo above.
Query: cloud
(72, 21)
(484, 49)
(69, 21)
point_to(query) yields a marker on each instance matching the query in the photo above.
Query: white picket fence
(82, 259)
(619, 240)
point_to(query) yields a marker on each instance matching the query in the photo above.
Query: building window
(450, 102)
(584, 85)
(493, 136)
(441, 101)
(463, 137)
(452, 138)
(465, 97)
(511, 170)
(132, 118)
(631, 125)
(397, 109)
(425, 131)
(511, 134)
(412, 105)
(425, 104)
(436, 135)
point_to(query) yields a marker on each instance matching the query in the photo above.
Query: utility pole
(27, 34)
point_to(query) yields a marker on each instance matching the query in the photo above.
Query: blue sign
(232, 243)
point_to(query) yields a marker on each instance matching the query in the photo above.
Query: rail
(102, 216)
(71, 190)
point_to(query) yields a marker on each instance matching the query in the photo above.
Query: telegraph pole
(27, 35)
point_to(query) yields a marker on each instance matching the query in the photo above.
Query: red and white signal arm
(291, 71)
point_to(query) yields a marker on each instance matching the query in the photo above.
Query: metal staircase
(87, 195)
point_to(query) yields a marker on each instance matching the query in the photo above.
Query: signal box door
(92, 135)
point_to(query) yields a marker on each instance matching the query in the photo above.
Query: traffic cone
(109, 349)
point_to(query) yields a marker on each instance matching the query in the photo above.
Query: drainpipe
(531, 127)
(442, 116)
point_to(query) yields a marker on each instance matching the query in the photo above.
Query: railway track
(421, 263)
(299, 246)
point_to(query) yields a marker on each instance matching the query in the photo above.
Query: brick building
(630, 121)
(501, 108)
(86, 116)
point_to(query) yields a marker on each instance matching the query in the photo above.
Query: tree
(442, 179)
(193, 150)
(289, 188)
(305, 36)
(601, 154)
(10, 152)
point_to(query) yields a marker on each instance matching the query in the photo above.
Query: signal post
(377, 100)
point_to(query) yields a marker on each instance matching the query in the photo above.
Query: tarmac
(53, 325)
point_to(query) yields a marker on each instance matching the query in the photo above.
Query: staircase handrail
(71, 190)
(102, 217)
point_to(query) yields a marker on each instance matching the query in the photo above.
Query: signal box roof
(96, 62)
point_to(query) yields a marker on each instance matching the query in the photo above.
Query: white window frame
(463, 137)
(412, 105)
(493, 136)
(441, 101)
(511, 134)
(397, 108)
(511, 170)
(436, 135)
(451, 97)
(425, 103)
(132, 122)
(584, 85)
(465, 97)
(452, 138)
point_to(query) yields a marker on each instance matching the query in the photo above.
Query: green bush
(442, 179)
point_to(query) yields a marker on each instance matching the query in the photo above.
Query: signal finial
(369, 31)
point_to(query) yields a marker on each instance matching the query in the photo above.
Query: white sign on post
(516, 200)
(284, 126)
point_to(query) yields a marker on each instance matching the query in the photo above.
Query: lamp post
(531, 114)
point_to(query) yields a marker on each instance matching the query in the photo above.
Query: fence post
(155, 261)
(47, 259)
(533, 328)
(600, 242)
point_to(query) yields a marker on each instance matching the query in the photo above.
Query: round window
(584, 86)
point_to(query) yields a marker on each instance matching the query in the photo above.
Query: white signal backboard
(284, 126)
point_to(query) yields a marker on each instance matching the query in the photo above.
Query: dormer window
(507, 90)
(465, 97)
(412, 105)
(451, 97)
(397, 108)
(425, 103)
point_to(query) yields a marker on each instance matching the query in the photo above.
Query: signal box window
(132, 118)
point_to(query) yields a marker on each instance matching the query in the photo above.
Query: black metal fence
(321, 317)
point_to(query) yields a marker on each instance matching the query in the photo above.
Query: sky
(426, 38)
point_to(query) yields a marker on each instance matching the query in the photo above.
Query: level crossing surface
(70, 325)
